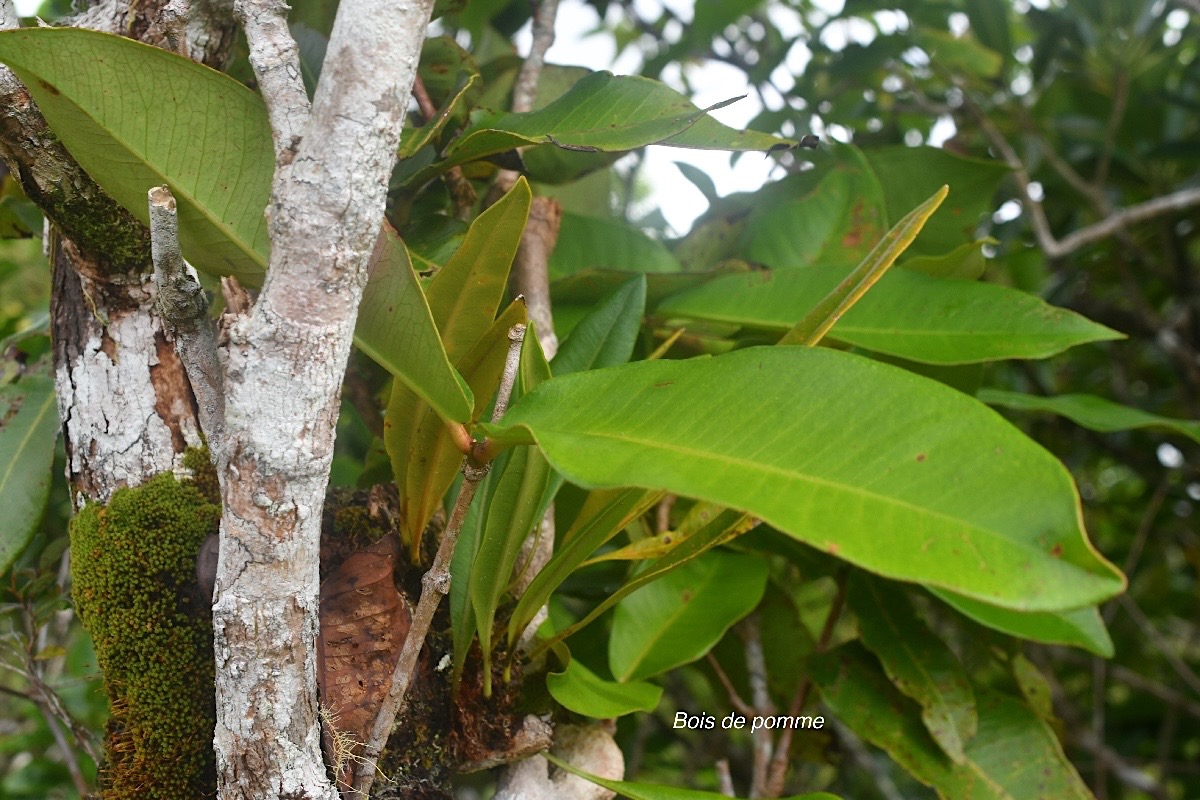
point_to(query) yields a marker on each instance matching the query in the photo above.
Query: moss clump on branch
(133, 564)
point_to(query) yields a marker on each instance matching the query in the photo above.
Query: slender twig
(1117, 221)
(525, 87)
(1115, 117)
(1141, 683)
(275, 57)
(435, 584)
(182, 304)
(724, 779)
(1145, 527)
(735, 699)
(1184, 672)
(756, 672)
(1099, 690)
(779, 763)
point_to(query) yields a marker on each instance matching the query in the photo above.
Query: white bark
(589, 748)
(285, 365)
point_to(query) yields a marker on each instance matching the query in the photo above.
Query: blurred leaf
(1091, 412)
(1014, 755)
(910, 174)
(645, 791)
(29, 425)
(1080, 627)
(579, 689)
(918, 663)
(959, 54)
(588, 242)
(679, 617)
(833, 449)
(607, 335)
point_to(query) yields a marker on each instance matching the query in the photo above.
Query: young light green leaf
(918, 663)
(816, 323)
(396, 329)
(607, 334)
(28, 427)
(579, 689)
(1013, 756)
(1094, 413)
(855, 460)
(602, 517)
(965, 261)
(907, 315)
(1078, 627)
(645, 791)
(679, 617)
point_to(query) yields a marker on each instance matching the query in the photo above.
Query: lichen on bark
(133, 566)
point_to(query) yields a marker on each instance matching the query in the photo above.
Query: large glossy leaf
(679, 617)
(907, 314)
(918, 663)
(601, 112)
(1079, 627)
(207, 137)
(896, 473)
(646, 791)
(813, 326)
(28, 427)
(1013, 756)
(1091, 412)
(590, 242)
(579, 689)
(606, 335)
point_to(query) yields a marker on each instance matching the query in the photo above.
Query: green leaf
(910, 174)
(965, 261)
(918, 663)
(606, 336)
(462, 614)
(579, 689)
(959, 54)
(725, 526)
(828, 216)
(463, 299)
(603, 516)
(1013, 756)
(396, 329)
(679, 617)
(851, 456)
(646, 791)
(601, 112)
(1094, 413)
(434, 457)
(207, 137)
(28, 427)
(817, 322)
(589, 242)
(1079, 627)
(907, 314)
(136, 116)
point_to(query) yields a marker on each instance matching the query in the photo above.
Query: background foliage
(1058, 115)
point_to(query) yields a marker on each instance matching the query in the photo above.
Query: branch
(525, 87)
(275, 57)
(182, 304)
(1114, 223)
(434, 585)
(462, 193)
(756, 670)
